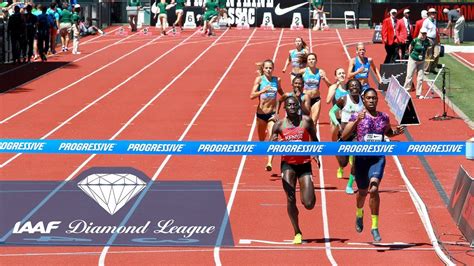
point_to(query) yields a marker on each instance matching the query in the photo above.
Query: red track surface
(259, 208)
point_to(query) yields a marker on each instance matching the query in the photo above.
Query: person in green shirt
(416, 62)
(318, 14)
(210, 16)
(132, 12)
(65, 25)
(179, 13)
(162, 15)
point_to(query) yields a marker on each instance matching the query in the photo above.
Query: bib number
(373, 138)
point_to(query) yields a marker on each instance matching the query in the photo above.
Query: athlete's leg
(289, 184)
(315, 110)
(270, 124)
(261, 129)
(307, 191)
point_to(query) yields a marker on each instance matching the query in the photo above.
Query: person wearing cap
(419, 23)
(76, 32)
(456, 22)
(432, 33)
(388, 36)
(416, 62)
(403, 33)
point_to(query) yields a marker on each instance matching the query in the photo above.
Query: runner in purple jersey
(370, 126)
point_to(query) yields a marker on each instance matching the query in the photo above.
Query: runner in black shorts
(371, 126)
(265, 88)
(296, 127)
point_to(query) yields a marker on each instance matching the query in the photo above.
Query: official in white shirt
(432, 53)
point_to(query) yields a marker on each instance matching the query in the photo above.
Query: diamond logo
(111, 191)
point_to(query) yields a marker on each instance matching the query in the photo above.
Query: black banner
(281, 10)
(380, 10)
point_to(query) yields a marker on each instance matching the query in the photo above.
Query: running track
(195, 88)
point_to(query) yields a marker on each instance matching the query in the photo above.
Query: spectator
(75, 29)
(45, 23)
(432, 54)
(132, 11)
(389, 37)
(17, 33)
(53, 13)
(416, 62)
(419, 23)
(456, 20)
(318, 14)
(31, 24)
(65, 26)
(403, 32)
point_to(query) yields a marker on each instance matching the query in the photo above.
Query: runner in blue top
(265, 88)
(370, 126)
(293, 57)
(359, 67)
(312, 80)
(335, 92)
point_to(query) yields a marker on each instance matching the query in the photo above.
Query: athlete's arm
(255, 92)
(280, 90)
(390, 132)
(377, 72)
(288, 59)
(325, 78)
(331, 92)
(310, 127)
(275, 131)
(350, 72)
(332, 113)
(351, 126)
(282, 99)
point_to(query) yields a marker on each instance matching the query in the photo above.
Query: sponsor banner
(113, 206)
(230, 148)
(282, 11)
(380, 10)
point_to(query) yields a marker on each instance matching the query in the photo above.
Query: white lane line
(225, 221)
(324, 212)
(168, 157)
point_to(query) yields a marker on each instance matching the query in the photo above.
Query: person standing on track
(369, 126)
(296, 128)
(210, 16)
(348, 105)
(293, 57)
(179, 14)
(265, 88)
(359, 67)
(389, 37)
(132, 9)
(312, 80)
(162, 15)
(223, 12)
(65, 26)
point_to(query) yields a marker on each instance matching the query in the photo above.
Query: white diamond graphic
(112, 191)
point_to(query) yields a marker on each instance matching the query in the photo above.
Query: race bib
(373, 138)
(420, 57)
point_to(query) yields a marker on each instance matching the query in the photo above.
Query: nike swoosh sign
(282, 11)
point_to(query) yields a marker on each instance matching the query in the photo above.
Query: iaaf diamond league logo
(112, 191)
(114, 206)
